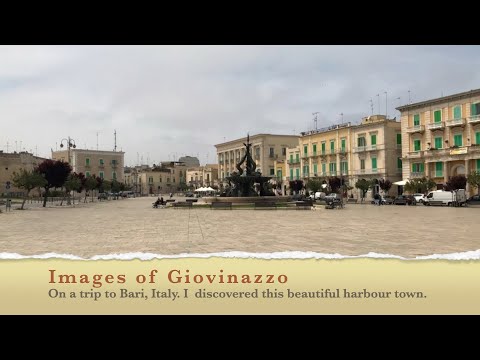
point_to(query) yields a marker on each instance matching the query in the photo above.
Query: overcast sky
(170, 101)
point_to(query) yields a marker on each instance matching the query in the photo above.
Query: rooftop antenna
(371, 105)
(386, 105)
(378, 98)
(409, 99)
(115, 138)
(21, 147)
(315, 119)
(16, 147)
(97, 140)
(148, 159)
(138, 158)
(7, 146)
(342, 117)
(36, 150)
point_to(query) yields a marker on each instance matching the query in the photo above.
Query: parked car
(384, 200)
(419, 198)
(405, 200)
(189, 194)
(473, 200)
(317, 196)
(102, 196)
(298, 197)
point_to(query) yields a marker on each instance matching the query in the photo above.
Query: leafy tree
(420, 185)
(90, 185)
(28, 180)
(474, 180)
(73, 183)
(456, 182)
(363, 185)
(334, 183)
(115, 187)
(296, 185)
(55, 174)
(385, 185)
(314, 185)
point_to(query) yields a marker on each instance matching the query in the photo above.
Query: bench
(305, 205)
(221, 205)
(265, 205)
(182, 204)
(191, 200)
(170, 200)
(350, 200)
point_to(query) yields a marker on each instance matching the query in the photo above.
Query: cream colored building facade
(107, 165)
(266, 148)
(202, 176)
(166, 178)
(441, 137)
(351, 152)
(14, 162)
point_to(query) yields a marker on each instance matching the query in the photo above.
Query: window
(457, 140)
(87, 173)
(114, 175)
(477, 138)
(305, 149)
(323, 148)
(438, 142)
(417, 168)
(344, 167)
(160, 179)
(438, 169)
(417, 145)
(228, 174)
(272, 152)
(291, 158)
(101, 174)
(399, 139)
(279, 174)
(305, 170)
(173, 179)
(101, 162)
(114, 162)
(457, 112)
(272, 171)
(399, 163)
(374, 163)
(362, 164)
(343, 145)
(478, 164)
(297, 157)
(333, 168)
(284, 151)
(297, 173)
(475, 109)
(373, 140)
(416, 120)
(168, 179)
(361, 141)
(332, 146)
(291, 174)
(315, 169)
(437, 116)
(257, 151)
(150, 180)
(324, 168)
(87, 162)
(314, 149)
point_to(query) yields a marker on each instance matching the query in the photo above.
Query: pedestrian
(171, 195)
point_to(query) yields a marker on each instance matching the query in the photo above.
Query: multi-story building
(190, 161)
(351, 152)
(166, 178)
(14, 162)
(202, 176)
(266, 148)
(441, 137)
(107, 165)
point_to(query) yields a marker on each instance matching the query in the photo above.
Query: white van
(449, 198)
(318, 195)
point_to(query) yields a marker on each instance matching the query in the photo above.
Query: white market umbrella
(208, 189)
(200, 189)
(401, 183)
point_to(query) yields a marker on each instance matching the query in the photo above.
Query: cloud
(166, 101)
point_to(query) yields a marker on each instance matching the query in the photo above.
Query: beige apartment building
(266, 148)
(351, 152)
(202, 176)
(166, 178)
(107, 165)
(14, 162)
(441, 137)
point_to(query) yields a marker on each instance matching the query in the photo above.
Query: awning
(401, 183)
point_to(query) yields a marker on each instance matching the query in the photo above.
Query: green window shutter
(416, 145)
(314, 148)
(87, 173)
(399, 139)
(334, 166)
(413, 167)
(374, 163)
(297, 157)
(324, 168)
(438, 143)
(457, 140)
(332, 145)
(279, 173)
(478, 165)
(416, 119)
(477, 137)
(323, 148)
(305, 149)
(457, 112)
(291, 158)
(473, 110)
(373, 139)
(437, 116)
(343, 144)
(421, 167)
(438, 166)
(315, 169)
(291, 174)
(362, 164)
(297, 173)
(399, 163)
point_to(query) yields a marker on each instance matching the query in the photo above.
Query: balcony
(435, 152)
(305, 156)
(415, 154)
(332, 151)
(456, 122)
(220, 162)
(416, 129)
(436, 126)
(417, 174)
(475, 119)
(474, 148)
(360, 148)
(367, 171)
(293, 161)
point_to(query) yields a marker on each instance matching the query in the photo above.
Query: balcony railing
(332, 151)
(360, 148)
(474, 119)
(415, 129)
(342, 151)
(294, 161)
(436, 125)
(399, 146)
(314, 154)
(417, 174)
(435, 152)
(367, 171)
(304, 155)
(415, 154)
(456, 122)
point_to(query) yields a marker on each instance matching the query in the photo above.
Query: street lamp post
(70, 143)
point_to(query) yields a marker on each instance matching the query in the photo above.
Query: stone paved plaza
(131, 225)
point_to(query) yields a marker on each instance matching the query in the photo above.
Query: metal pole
(386, 105)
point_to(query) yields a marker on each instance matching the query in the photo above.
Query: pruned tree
(115, 187)
(73, 183)
(28, 180)
(334, 183)
(456, 182)
(420, 185)
(296, 185)
(314, 185)
(363, 185)
(385, 185)
(55, 173)
(473, 180)
(90, 185)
